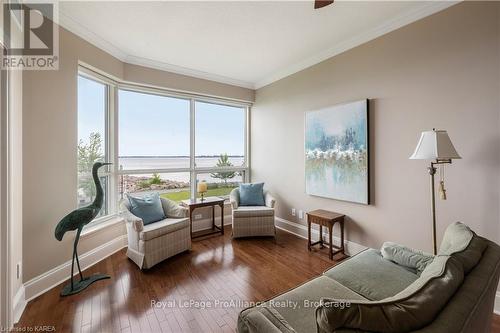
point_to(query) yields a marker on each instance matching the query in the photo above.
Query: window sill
(103, 223)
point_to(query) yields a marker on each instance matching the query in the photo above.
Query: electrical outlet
(293, 212)
(198, 216)
(301, 214)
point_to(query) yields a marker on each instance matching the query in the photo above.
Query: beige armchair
(251, 221)
(152, 243)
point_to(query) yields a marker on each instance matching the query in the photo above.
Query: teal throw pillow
(148, 208)
(252, 194)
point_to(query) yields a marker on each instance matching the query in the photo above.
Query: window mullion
(192, 166)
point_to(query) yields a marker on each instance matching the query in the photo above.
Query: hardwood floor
(216, 269)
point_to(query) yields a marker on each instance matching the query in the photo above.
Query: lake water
(148, 163)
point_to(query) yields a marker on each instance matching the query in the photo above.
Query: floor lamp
(436, 146)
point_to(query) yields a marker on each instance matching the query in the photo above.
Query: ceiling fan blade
(322, 3)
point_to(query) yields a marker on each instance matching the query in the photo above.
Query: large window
(167, 144)
(158, 141)
(93, 113)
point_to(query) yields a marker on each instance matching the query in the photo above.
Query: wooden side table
(325, 218)
(206, 202)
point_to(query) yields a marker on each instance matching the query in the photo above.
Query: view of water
(148, 163)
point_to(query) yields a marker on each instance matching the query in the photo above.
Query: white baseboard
(55, 276)
(19, 303)
(300, 230)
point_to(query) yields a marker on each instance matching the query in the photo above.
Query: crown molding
(133, 60)
(427, 9)
(81, 31)
(78, 29)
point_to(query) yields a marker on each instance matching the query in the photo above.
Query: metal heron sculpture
(76, 220)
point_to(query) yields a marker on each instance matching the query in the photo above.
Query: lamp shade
(435, 144)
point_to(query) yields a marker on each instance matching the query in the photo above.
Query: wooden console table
(207, 202)
(325, 218)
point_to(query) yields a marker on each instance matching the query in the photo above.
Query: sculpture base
(79, 285)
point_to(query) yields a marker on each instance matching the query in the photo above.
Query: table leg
(222, 219)
(308, 234)
(213, 217)
(342, 236)
(191, 222)
(321, 236)
(330, 233)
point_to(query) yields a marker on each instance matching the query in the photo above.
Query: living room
(286, 166)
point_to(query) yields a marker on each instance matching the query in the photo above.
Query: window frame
(114, 172)
(108, 143)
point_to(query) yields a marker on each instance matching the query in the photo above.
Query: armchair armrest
(269, 199)
(234, 198)
(136, 222)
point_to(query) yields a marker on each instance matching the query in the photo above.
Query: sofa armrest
(263, 320)
(234, 198)
(269, 199)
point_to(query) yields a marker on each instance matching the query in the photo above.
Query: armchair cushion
(163, 227)
(173, 209)
(250, 211)
(234, 198)
(252, 194)
(148, 208)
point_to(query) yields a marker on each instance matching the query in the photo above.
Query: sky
(151, 125)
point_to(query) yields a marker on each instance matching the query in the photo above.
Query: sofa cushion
(249, 211)
(463, 244)
(162, 227)
(306, 297)
(148, 208)
(413, 308)
(413, 259)
(252, 194)
(372, 276)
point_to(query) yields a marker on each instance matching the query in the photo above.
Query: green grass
(184, 194)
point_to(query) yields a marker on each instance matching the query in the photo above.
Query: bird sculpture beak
(107, 163)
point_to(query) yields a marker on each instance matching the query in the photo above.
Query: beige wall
(442, 72)
(50, 140)
(149, 76)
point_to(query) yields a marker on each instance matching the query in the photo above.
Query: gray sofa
(369, 293)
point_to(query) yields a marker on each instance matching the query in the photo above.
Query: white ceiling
(245, 43)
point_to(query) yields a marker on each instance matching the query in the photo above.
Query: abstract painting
(336, 152)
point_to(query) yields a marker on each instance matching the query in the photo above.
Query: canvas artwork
(336, 149)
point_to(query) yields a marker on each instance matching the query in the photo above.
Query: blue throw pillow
(148, 208)
(252, 194)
